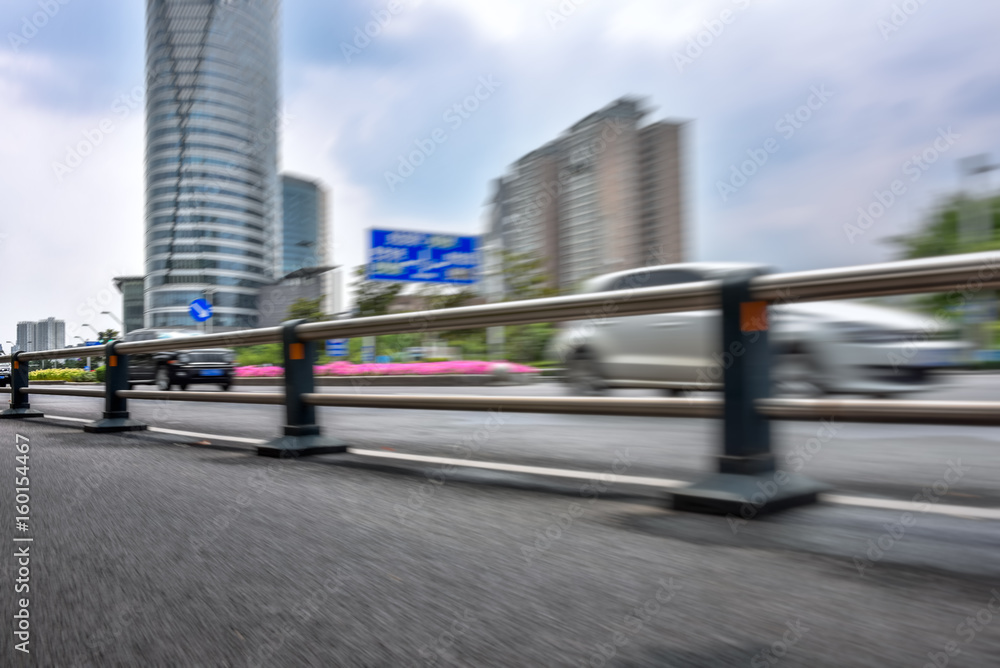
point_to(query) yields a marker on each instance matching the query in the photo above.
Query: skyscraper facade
(212, 193)
(606, 195)
(304, 224)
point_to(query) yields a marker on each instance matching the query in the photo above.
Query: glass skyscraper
(212, 189)
(304, 223)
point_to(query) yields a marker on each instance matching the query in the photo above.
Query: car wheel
(225, 387)
(163, 379)
(584, 377)
(796, 372)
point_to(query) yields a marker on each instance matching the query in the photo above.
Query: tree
(108, 335)
(373, 297)
(942, 234)
(524, 278)
(308, 309)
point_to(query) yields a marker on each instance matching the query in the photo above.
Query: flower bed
(475, 367)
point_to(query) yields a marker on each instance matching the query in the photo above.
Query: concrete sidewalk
(153, 550)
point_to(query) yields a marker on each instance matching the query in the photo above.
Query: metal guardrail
(745, 407)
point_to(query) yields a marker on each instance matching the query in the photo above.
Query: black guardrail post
(116, 416)
(302, 434)
(748, 482)
(19, 406)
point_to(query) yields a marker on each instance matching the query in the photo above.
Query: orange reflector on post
(113, 360)
(17, 365)
(297, 351)
(753, 317)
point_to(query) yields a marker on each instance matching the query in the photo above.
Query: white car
(818, 347)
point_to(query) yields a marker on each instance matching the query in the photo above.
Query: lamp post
(116, 319)
(85, 345)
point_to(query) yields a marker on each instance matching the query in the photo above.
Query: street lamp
(116, 318)
(85, 344)
(93, 328)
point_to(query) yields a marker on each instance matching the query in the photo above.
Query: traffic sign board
(336, 347)
(368, 349)
(200, 310)
(422, 257)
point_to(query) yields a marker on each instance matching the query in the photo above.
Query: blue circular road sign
(200, 310)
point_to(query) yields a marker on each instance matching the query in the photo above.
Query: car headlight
(230, 357)
(184, 358)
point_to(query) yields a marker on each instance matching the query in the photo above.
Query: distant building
(304, 224)
(26, 336)
(48, 334)
(131, 288)
(607, 195)
(307, 283)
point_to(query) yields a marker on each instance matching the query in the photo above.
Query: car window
(655, 279)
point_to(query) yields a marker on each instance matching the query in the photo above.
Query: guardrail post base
(748, 482)
(302, 435)
(19, 406)
(116, 416)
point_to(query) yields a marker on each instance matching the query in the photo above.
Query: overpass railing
(746, 407)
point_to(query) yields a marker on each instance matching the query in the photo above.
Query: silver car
(819, 348)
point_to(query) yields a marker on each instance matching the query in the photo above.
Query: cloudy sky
(869, 85)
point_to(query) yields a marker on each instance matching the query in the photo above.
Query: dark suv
(180, 368)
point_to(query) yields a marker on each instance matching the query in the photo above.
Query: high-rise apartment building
(304, 223)
(26, 336)
(607, 195)
(212, 191)
(48, 334)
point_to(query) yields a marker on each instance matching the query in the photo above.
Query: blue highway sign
(422, 257)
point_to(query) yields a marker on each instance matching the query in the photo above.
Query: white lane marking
(910, 506)
(237, 439)
(663, 483)
(518, 468)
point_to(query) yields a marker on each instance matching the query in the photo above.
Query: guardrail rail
(746, 407)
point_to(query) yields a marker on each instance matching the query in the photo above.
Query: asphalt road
(164, 550)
